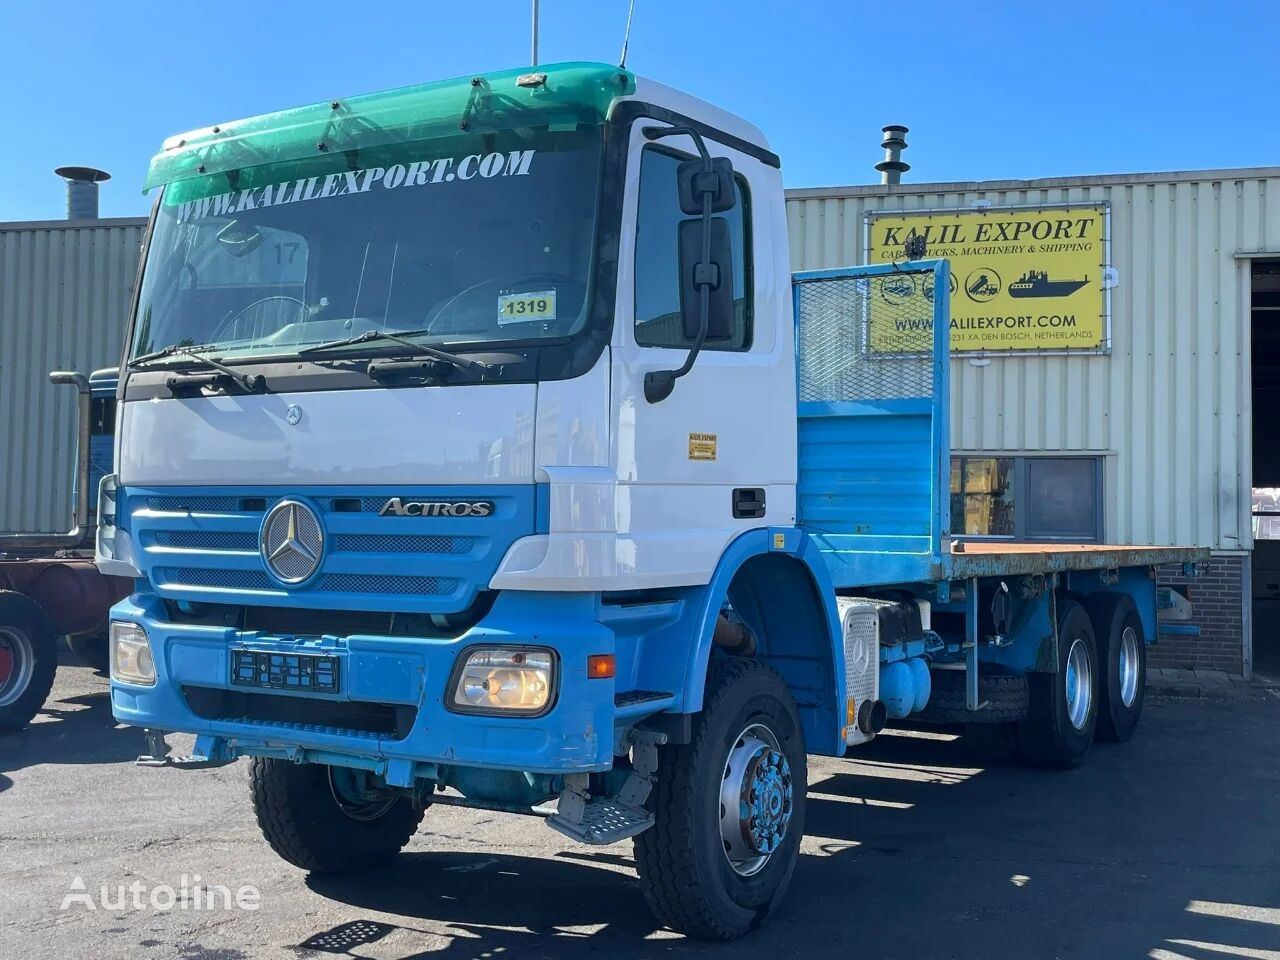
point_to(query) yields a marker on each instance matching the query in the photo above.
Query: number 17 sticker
(523, 307)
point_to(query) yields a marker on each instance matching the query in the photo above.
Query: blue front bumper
(576, 735)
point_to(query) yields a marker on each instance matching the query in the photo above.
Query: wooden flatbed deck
(986, 558)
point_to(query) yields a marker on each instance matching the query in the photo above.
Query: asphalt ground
(1166, 847)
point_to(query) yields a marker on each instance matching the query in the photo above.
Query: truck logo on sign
(399, 507)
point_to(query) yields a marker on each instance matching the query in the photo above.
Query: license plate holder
(296, 672)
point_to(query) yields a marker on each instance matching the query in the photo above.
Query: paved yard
(1166, 847)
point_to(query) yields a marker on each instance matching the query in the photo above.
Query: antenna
(533, 62)
(626, 37)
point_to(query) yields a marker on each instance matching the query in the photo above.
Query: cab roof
(580, 91)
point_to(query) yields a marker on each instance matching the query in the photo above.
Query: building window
(1266, 513)
(1027, 498)
(659, 322)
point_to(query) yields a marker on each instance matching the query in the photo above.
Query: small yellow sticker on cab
(702, 446)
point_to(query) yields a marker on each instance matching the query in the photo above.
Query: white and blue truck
(476, 446)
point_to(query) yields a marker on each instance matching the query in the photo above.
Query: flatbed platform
(986, 558)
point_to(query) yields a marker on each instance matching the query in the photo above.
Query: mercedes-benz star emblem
(292, 541)
(293, 415)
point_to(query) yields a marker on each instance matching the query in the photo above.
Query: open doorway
(1265, 326)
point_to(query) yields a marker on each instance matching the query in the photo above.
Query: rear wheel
(329, 819)
(28, 659)
(1060, 723)
(1122, 655)
(729, 808)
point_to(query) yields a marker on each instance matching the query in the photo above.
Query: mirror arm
(658, 384)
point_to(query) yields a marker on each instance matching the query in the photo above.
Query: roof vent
(82, 191)
(894, 141)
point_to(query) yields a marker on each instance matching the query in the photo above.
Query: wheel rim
(1130, 666)
(350, 789)
(756, 800)
(1079, 683)
(17, 663)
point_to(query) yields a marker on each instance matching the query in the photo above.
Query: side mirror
(717, 275)
(693, 180)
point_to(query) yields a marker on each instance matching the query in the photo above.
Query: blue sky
(989, 90)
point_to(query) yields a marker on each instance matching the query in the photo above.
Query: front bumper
(405, 675)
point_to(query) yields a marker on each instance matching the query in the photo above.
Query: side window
(657, 268)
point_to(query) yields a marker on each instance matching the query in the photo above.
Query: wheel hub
(17, 664)
(356, 796)
(1078, 679)
(1130, 666)
(756, 800)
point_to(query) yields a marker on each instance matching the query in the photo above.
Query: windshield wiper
(250, 383)
(419, 349)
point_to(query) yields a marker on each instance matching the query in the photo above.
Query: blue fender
(799, 624)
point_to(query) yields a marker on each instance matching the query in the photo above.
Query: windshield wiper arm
(419, 349)
(250, 383)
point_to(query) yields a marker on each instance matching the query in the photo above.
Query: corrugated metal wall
(1169, 407)
(65, 292)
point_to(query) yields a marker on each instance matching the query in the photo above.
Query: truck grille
(205, 545)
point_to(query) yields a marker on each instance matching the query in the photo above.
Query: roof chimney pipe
(892, 167)
(82, 191)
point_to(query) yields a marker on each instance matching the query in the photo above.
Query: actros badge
(399, 507)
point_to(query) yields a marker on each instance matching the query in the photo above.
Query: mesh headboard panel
(866, 338)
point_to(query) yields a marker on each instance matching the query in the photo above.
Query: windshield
(470, 240)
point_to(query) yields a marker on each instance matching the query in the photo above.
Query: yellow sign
(702, 446)
(1020, 279)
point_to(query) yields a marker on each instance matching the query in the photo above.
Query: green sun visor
(493, 101)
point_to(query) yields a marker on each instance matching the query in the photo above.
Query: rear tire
(28, 659)
(1059, 727)
(700, 864)
(301, 816)
(1122, 653)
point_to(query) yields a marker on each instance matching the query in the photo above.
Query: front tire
(1059, 726)
(709, 870)
(325, 819)
(28, 659)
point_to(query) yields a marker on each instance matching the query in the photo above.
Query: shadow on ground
(1145, 852)
(70, 729)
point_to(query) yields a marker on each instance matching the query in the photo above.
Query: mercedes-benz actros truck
(477, 447)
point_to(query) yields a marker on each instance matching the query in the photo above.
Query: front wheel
(728, 807)
(329, 819)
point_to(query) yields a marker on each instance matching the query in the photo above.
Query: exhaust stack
(892, 167)
(82, 191)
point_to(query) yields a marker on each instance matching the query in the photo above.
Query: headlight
(505, 680)
(131, 659)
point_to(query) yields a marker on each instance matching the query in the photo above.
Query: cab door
(717, 457)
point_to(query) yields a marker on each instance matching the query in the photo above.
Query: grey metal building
(65, 290)
(1167, 412)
